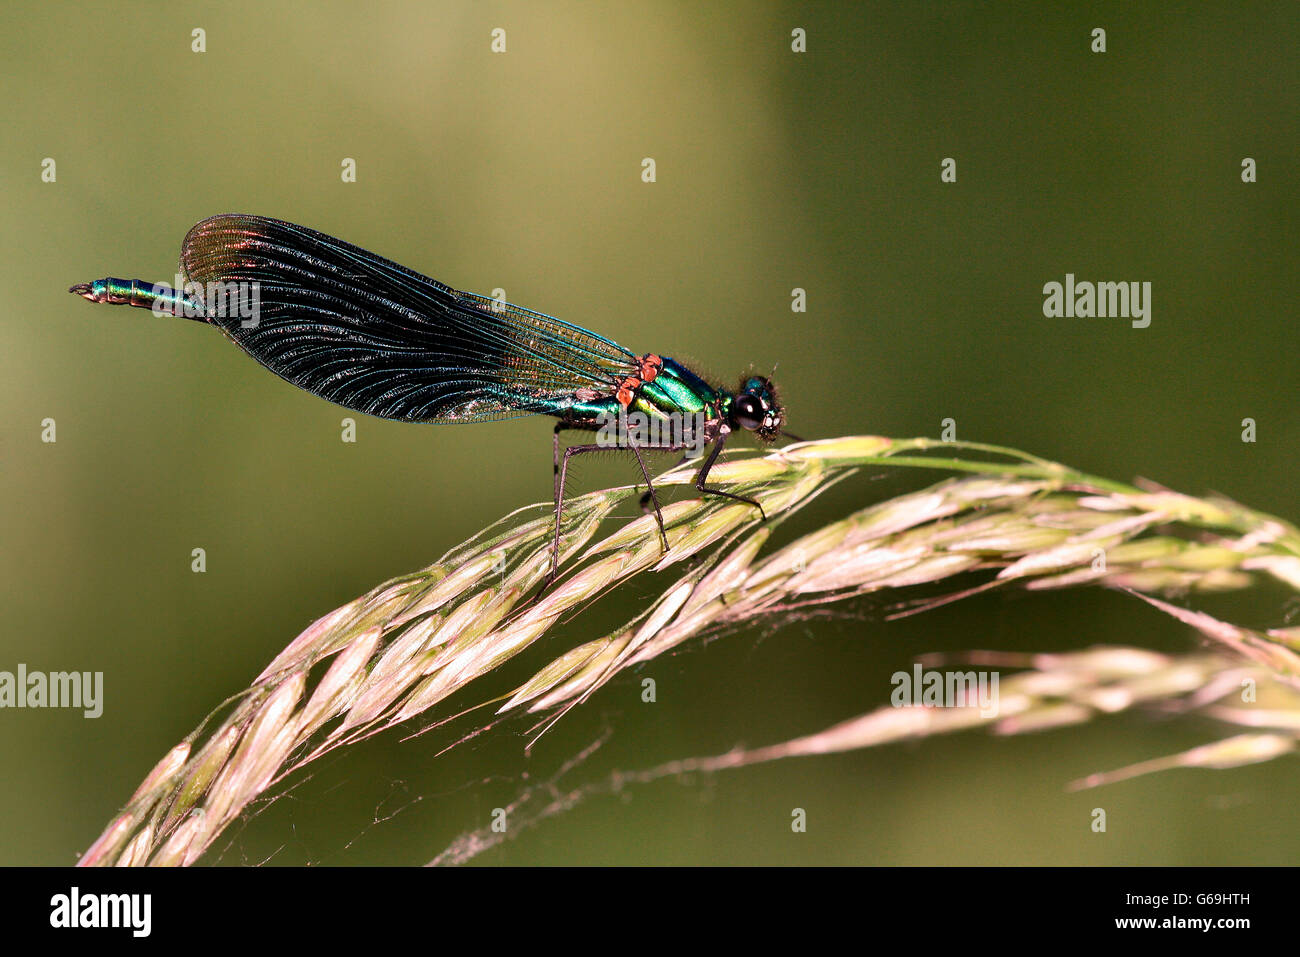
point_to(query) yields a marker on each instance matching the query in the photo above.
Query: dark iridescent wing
(362, 331)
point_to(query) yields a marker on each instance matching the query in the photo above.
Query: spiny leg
(704, 474)
(559, 427)
(650, 490)
(645, 499)
(562, 477)
(649, 495)
(700, 480)
(559, 501)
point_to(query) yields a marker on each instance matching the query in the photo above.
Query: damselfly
(378, 338)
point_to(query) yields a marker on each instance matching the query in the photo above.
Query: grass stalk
(1004, 519)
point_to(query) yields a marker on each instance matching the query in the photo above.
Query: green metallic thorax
(675, 391)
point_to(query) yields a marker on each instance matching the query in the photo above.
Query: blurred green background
(522, 171)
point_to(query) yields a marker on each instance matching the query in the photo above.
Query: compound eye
(749, 412)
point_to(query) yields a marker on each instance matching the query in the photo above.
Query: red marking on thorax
(650, 364)
(648, 367)
(625, 390)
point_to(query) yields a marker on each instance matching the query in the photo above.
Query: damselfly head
(756, 409)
